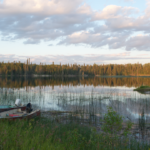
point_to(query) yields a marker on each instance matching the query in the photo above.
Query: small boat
(18, 114)
(18, 104)
(9, 107)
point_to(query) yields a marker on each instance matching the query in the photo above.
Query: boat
(15, 114)
(9, 107)
(18, 104)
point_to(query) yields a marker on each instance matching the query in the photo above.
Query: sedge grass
(142, 88)
(43, 134)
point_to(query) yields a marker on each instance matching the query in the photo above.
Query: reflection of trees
(128, 107)
(25, 82)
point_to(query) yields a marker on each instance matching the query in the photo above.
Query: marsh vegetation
(82, 102)
(43, 133)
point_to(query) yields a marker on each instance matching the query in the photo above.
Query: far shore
(104, 76)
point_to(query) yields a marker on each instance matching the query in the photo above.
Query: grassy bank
(43, 134)
(142, 88)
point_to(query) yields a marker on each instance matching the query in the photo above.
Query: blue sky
(99, 5)
(79, 31)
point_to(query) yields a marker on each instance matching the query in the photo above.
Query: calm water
(91, 96)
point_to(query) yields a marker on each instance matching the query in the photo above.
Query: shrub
(113, 123)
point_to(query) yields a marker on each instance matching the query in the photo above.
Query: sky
(78, 31)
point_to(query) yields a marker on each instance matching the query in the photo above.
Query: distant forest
(18, 68)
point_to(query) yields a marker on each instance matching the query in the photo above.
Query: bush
(113, 123)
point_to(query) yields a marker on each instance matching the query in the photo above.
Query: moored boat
(18, 114)
(18, 104)
(9, 107)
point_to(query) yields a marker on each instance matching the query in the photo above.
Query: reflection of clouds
(124, 101)
(52, 106)
(136, 115)
(121, 94)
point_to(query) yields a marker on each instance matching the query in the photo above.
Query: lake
(89, 96)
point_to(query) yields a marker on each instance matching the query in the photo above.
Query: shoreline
(103, 76)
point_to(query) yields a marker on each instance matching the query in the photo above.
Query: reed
(44, 134)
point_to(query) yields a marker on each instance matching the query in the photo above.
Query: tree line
(27, 68)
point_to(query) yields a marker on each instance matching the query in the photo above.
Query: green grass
(142, 88)
(43, 134)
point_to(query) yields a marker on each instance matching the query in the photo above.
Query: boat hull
(29, 116)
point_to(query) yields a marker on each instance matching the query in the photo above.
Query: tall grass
(43, 134)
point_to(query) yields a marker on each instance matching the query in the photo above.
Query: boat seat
(20, 112)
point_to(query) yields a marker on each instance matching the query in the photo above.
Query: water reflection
(86, 81)
(89, 96)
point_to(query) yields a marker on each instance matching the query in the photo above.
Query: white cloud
(139, 42)
(71, 59)
(113, 11)
(83, 38)
(85, 9)
(96, 39)
(49, 7)
(74, 22)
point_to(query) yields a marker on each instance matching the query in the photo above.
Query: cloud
(41, 7)
(113, 11)
(31, 41)
(50, 45)
(71, 59)
(139, 42)
(84, 38)
(74, 22)
(114, 41)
